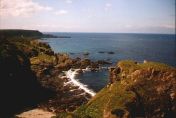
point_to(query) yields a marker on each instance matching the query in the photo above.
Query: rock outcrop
(146, 90)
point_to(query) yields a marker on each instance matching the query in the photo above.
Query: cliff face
(135, 90)
(18, 83)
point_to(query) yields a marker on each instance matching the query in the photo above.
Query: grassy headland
(146, 90)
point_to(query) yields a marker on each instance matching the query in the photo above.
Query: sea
(112, 47)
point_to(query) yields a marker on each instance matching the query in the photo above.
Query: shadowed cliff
(19, 87)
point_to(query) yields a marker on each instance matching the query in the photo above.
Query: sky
(116, 16)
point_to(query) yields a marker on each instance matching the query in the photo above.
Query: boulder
(111, 52)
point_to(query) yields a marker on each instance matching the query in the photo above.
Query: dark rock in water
(108, 59)
(80, 71)
(103, 62)
(86, 53)
(72, 53)
(111, 52)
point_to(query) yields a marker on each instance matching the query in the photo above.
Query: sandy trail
(36, 113)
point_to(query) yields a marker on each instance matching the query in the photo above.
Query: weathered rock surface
(36, 113)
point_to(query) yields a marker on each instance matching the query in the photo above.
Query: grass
(108, 99)
(119, 96)
(42, 58)
(129, 66)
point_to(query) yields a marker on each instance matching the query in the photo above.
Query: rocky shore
(50, 72)
(45, 71)
(145, 90)
(34, 77)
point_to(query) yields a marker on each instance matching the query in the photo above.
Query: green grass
(129, 66)
(117, 95)
(42, 58)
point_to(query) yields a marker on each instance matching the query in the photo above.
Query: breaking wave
(71, 74)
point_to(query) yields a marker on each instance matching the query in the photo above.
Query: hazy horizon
(100, 16)
(94, 32)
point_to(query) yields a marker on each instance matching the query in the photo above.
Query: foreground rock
(135, 90)
(36, 113)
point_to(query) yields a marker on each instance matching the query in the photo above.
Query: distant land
(27, 33)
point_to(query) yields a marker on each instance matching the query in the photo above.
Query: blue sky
(135, 16)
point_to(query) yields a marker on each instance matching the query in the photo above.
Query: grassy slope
(119, 99)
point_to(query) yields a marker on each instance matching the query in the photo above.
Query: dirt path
(106, 112)
(36, 113)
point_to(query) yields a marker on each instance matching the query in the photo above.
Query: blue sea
(139, 47)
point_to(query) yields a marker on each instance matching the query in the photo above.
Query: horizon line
(109, 32)
(95, 32)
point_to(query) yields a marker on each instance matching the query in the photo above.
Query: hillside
(31, 76)
(19, 87)
(135, 90)
(19, 33)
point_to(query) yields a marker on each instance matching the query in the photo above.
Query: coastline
(48, 80)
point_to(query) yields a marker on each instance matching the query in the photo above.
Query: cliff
(135, 90)
(19, 86)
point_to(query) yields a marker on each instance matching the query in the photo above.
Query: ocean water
(139, 47)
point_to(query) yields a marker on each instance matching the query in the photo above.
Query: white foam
(71, 74)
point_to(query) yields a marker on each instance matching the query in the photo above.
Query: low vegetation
(137, 90)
